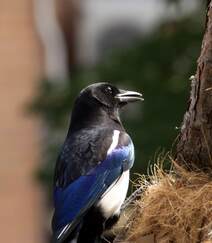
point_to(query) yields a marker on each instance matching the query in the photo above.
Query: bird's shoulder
(83, 150)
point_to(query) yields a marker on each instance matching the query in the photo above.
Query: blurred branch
(52, 39)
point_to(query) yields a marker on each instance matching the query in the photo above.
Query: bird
(91, 176)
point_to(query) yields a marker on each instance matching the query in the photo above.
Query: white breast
(111, 201)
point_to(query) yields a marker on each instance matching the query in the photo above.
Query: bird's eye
(109, 90)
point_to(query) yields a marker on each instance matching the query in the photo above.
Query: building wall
(21, 200)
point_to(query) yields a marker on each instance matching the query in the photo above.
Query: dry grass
(175, 207)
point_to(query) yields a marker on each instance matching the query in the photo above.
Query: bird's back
(80, 153)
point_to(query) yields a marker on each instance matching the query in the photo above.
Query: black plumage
(92, 164)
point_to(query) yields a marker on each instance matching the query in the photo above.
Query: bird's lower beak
(128, 96)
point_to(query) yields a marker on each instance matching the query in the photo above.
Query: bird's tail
(69, 237)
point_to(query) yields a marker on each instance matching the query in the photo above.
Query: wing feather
(73, 201)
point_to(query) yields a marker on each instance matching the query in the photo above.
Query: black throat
(86, 116)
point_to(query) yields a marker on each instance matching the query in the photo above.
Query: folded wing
(73, 201)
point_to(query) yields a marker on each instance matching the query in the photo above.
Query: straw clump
(174, 207)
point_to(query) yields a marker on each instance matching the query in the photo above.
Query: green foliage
(159, 66)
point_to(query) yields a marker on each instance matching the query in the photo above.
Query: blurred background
(49, 51)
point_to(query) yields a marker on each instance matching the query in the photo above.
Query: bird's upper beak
(128, 96)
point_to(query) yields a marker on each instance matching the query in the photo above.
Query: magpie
(92, 171)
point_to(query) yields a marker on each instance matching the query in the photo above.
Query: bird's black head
(99, 103)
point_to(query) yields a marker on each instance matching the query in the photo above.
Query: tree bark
(194, 147)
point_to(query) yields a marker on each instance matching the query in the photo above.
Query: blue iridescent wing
(72, 202)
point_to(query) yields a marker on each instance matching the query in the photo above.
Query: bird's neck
(94, 118)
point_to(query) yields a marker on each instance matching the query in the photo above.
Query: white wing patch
(115, 141)
(111, 201)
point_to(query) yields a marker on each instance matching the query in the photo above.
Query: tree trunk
(194, 147)
(194, 150)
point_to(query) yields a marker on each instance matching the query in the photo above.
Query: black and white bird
(92, 171)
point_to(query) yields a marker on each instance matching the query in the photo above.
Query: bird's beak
(128, 96)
